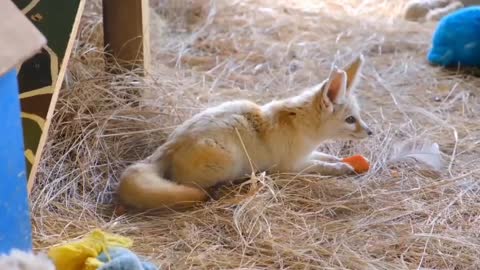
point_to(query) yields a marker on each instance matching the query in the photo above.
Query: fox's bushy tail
(142, 186)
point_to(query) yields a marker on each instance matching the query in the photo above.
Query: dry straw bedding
(260, 50)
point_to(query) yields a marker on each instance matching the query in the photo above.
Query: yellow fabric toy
(82, 254)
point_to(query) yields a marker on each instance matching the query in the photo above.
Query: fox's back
(225, 119)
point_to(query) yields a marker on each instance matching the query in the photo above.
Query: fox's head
(330, 109)
(337, 106)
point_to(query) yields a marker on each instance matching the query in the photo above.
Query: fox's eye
(350, 120)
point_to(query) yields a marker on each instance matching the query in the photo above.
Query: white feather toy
(426, 155)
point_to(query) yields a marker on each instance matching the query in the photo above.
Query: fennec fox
(219, 144)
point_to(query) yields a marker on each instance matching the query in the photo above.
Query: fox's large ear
(333, 91)
(353, 72)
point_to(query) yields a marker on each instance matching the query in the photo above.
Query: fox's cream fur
(222, 143)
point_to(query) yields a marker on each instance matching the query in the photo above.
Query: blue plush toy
(457, 39)
(123, 259)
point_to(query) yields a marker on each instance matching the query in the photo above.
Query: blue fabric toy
(456, 40)
(120, 258)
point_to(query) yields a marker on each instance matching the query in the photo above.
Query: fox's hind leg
(205, 163)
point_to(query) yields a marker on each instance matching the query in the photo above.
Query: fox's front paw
(326, 168)
(331, 159)
(342, 168)
(316, 155)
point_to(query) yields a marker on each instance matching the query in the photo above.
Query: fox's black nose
(369, 132)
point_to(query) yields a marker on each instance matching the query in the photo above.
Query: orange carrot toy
(359, 163)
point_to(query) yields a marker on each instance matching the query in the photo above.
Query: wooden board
(40, 77)
(126, 32)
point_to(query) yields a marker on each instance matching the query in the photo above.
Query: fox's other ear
(353, 72)
(333, 91)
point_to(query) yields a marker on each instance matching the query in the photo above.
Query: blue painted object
(123, 259)
(456, 40)
(15, 226)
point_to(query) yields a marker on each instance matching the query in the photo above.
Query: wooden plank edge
(146, 36)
